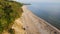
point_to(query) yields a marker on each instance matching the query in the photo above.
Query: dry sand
(31, 23)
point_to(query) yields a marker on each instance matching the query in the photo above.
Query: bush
(9, 11)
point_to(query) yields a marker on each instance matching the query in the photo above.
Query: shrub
(9, 11)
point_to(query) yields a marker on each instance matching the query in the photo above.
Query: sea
(50, 12)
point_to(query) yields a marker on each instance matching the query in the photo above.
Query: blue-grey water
(50, 12)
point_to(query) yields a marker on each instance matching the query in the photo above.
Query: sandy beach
(36, 25)
(32, 24)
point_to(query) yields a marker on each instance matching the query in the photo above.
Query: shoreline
(28, 11)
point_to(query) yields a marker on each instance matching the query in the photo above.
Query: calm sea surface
(50, 12)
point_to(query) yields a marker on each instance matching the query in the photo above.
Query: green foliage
(9, 11)
(11, 31)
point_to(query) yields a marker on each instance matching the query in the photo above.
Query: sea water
(50, 12)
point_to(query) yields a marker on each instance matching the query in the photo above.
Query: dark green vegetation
(9, 11)
(11, 31)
